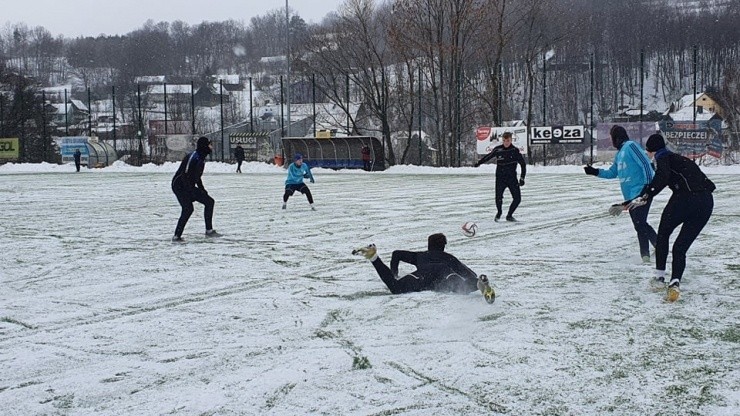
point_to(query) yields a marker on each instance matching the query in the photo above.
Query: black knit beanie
(203, 143)
(619, 136)
(654, 143)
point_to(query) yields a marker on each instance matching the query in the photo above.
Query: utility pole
(287, 60)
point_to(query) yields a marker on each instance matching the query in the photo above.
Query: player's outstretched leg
(485, 288)
(368, 251)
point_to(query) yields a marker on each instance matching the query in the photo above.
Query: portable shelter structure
(94, 153)
(335, 152)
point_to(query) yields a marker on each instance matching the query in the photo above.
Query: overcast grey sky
(74, 18)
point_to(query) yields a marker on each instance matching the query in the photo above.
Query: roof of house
(79, 104)
(227, 79)
(687, 113)
(272, 59)
(171, 89)
(149, 79)
(689, 100)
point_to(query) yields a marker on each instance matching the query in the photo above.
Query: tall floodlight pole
(591, 121)
(287, 60)
(642, 85)
(544, 104)
(221, 96)
(66, 114)
(113, 100)
(694, 99)
(251, 108)
(420, 91)
(313, 99)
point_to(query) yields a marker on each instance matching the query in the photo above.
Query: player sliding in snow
(435, 270)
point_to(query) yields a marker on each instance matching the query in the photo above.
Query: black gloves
(590, 170)
(521, 181)
(616, 209)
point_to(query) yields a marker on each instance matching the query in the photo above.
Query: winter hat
(654, 143)
(203, 143)
(619, 136)
(297, 156)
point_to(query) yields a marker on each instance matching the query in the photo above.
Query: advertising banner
(68, 145)
(256, 145)
(693, 139)
(489, 137)
(558, 135)
(9, 148)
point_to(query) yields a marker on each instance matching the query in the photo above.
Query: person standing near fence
(366, 161)
(239, 156)
(78, 157)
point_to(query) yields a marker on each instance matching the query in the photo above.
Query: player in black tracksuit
(188, 187)
(435, 269)
(691, 205)
(507, 156)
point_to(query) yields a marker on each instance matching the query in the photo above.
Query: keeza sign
(557, 135)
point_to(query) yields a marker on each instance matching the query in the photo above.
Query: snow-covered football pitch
(100, 314)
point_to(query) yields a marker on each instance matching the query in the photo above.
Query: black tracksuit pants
(511, 182)
(186, 197)
(441, 281)
(405, 284)
(693, 211)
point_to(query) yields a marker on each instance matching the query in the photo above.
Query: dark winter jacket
(239, 154)
(506, 160)
(436, 268)
(678, 173)
(188, 175)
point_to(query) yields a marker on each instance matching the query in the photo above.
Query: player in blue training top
(632, 167)
(297, 171)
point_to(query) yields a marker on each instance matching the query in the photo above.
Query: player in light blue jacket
(632, 167)
(297, 171)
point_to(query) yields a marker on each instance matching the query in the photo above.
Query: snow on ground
(101, 314)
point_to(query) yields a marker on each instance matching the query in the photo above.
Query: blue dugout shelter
(335, 152)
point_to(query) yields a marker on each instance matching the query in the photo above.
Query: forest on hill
(444, 66)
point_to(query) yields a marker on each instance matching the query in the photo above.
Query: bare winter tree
(353, 47)
(445, 37)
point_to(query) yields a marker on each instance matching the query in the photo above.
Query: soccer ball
(469, 229)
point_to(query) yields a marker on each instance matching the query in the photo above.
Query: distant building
(683, 110)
